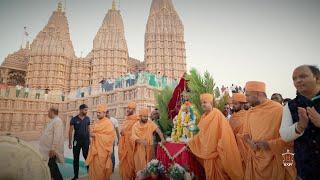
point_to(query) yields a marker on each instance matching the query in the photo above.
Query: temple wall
(27, 118)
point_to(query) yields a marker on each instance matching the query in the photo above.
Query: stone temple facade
(164, 41)
(49, 62)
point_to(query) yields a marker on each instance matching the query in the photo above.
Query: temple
(49, 63)
(164, 41)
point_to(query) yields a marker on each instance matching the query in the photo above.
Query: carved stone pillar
(16, 125)
(2, 122)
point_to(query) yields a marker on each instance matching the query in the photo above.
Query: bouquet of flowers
(176, 172)
(154, 168)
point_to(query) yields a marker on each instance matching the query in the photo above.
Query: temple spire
(114, 7)
(59, 7)
(164, 41)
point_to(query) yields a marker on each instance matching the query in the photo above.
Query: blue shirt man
(81, 139)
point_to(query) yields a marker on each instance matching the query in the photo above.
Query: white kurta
(53, 139)
(287, 128)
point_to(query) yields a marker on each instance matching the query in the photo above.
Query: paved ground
(68, 167)
(115, 176)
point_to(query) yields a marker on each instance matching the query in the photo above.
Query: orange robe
(143, 154)
(126, 147)
(263, 124)
(216, 148)
(236, 122)
(99, 156)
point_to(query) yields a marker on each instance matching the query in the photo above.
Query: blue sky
(235, 40)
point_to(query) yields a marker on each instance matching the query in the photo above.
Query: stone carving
(7, 122)
(164, 41)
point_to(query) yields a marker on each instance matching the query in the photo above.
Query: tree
(198, 84)
(163, 98)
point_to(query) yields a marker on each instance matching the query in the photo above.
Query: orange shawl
(216, 148)
(263, 124)
(99, 156)
(236, 121)
(143, 154)
(126, 147)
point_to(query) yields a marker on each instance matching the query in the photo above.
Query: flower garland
(177, 172)
(172, 158)
(153, 168)
(185, 122)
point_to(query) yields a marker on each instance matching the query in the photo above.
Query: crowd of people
(20, 91)
(233, 89)
(251, 144)
(141, 77)
(124, 81)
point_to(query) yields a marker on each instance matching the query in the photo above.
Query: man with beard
(99, 157)
(142, 135)
(215, 145)
(261, 133)
(81, 139)
(239, 113)
(126, 145)
(236, 122)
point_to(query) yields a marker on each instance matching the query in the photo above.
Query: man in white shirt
(116, 128)
(38, 91)
(51, 144)
(18, 89)
(46, 93)
(301, 122)
(26, 92)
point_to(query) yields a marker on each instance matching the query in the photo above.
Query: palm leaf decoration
(163, 99)
(198, 84)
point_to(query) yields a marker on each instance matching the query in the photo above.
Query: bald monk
(215, 145)
(142, 135)
(236, 122)
(261, 133)
(239, 113)
(103, 136)
(126, 145)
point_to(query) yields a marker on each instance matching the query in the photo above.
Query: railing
(143, 78)
(124, 82)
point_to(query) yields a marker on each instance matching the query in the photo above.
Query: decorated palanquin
(173, 159)
(178, 153)
(175, 152)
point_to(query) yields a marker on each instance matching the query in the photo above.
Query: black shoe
(75, 178)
